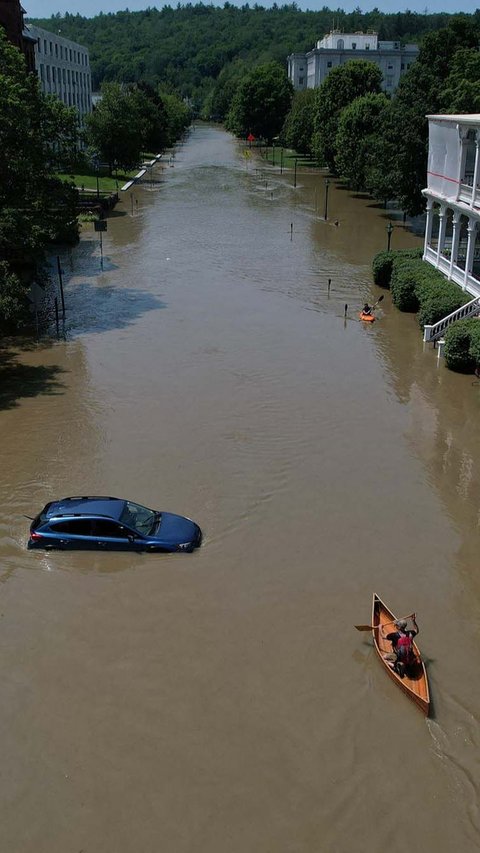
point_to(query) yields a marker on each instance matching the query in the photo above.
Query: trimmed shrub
(403, 283)
(383, 262)
(382, 268)
(475, 342)
(440, 302)
(417, 286)
(458, 355)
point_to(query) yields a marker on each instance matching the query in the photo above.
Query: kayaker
(367, 309)
(402, 644)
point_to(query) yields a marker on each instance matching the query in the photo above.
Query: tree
(115, 128)
(357, 127)
(35, 207)
(61, 128)
(297, 130)
(261, 102)
(401, 145)
(462, 86)
(178, 116)
(340, 88)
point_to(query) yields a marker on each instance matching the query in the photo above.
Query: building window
(44, 45)
(53, 74)
(390, 66)
(48, 74)
(389, 81)
(300, 81)
(51, 48)
(354, 45)
(367, 47)
(340, 44)
(70, 54)
(329, 64)
(402, 66)
(56, 50)
(42, 72)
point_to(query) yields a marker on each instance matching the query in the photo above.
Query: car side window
(74, 527)
(109, 529)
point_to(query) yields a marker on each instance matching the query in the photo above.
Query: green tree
(35, 207)
(261, 102)
(340, 88)
(357, 127)
(61, 129)
(401, 146)
(178, 115)
(462, 86)
(297, 131)
(116, 128)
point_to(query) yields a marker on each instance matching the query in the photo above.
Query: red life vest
(404, 647)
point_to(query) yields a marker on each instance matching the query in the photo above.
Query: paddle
(376, 303)
(371, 627)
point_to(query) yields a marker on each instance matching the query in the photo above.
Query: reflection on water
(174, 702)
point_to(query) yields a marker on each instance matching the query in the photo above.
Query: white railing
(437, 330)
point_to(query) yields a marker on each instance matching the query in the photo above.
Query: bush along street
(417, 287)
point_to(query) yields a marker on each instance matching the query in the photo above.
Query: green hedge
(403, 283)
(383, 263)
(417, 286)
(462, 345)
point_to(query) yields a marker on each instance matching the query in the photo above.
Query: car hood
(176, 529)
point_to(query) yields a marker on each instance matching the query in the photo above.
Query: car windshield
(142, 519)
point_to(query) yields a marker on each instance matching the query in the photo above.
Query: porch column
(463, 131)
(472, 230)
(475, 171)
(442, 215)
(455, 240)
(428, 227)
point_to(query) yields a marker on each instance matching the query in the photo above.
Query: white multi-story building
(63, 67)
(309, 70)
(453, 199)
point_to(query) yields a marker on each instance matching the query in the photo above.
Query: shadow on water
(84, 259)
(24, 380)
(96, 308)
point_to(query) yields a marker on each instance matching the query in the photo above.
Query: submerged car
(111, 524)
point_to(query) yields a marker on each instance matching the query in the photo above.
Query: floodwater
(223, 702)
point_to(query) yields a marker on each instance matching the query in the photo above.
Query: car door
(113, 536)
(75, 534)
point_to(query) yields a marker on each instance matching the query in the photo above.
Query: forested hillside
(187, 47)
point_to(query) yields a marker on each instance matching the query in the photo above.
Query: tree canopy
(261, 102)
(35, 206)
(187, 47)
(338, 90)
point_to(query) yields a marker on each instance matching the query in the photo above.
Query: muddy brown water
(222, 702)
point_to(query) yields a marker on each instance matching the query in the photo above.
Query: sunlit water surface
(222, 702)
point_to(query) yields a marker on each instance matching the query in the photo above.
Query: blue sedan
(111, 524)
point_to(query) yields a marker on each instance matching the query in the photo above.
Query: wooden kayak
(415, 684)
(367, 318)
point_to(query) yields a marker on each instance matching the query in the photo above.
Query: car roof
(106, 506)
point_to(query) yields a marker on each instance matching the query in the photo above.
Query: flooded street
(222, 702)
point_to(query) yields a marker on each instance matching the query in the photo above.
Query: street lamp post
(96, 166)
(295, 173)
(390, 228)
(325, 213)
